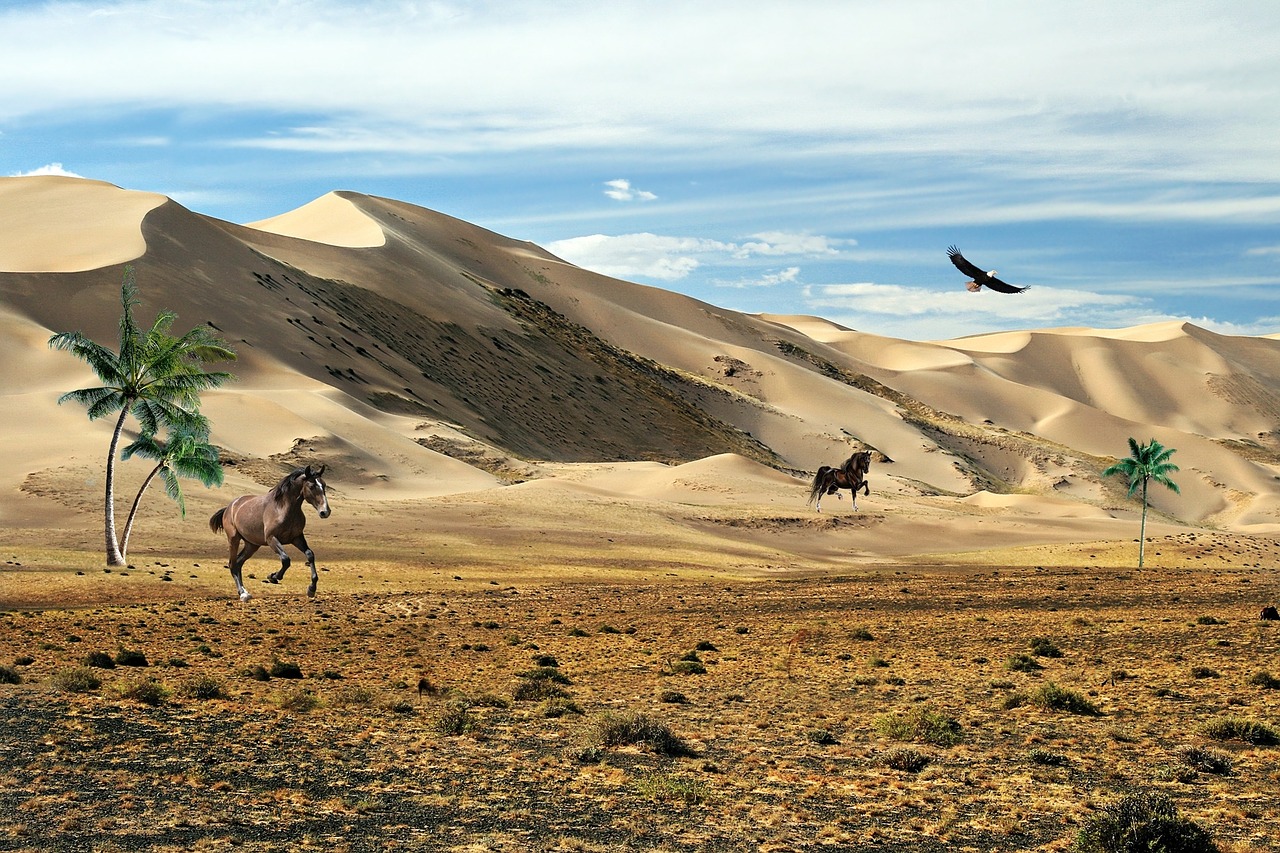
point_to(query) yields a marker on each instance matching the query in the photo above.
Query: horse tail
(819, 484)
(215, 520)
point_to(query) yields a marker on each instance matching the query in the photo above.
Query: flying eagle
(979, 277)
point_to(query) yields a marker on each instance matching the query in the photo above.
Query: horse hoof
(245, 596)
(311, 592)
(270, 579)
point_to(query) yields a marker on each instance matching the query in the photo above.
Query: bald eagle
(979, 277)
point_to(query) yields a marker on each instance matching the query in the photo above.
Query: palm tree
(187, 453)
(1149, 462)
(154, 376)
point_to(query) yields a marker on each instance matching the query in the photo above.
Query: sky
(1121, 158)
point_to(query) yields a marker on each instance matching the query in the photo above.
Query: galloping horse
(851, 475)
(274, 519)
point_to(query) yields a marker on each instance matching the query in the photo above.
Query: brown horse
(274, 519)
(851, 475)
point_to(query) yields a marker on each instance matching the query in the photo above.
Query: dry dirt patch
(405, 730)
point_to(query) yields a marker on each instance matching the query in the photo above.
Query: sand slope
(382, 339)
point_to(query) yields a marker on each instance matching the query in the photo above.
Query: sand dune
(383, 339)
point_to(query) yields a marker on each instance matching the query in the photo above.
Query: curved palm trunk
(133, 510)
(114, 555)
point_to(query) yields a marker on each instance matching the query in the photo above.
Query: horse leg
(301, 544)
(238, 558)
(277, 576)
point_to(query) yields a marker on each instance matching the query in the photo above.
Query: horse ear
(321, 470)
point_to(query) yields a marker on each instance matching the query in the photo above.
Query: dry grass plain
(426, 715)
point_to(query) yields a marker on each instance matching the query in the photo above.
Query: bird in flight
(979, 278)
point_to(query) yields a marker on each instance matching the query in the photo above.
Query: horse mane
(280, 492)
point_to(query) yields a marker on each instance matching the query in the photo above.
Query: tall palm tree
(1149, 462)
(154, 376)
(187, 453)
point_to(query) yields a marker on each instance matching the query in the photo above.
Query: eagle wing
(980, 276)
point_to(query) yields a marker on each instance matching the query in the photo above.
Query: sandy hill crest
(387, 337)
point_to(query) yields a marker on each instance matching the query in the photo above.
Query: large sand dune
(435, 365)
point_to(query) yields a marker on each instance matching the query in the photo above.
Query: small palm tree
(154, 376)
(1149, 462)
(187, 453)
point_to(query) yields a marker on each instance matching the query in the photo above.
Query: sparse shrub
(687, 667)
(1236, 728)
(1047, 757)
(1023, 663)
(544, 673)
(131, 657)
(201, 687)
(489, 700)
(148, 691)
(1265, 680)
(877, 662)
(546, 661)
(920, 725)
(257, 673)
(9, 675)
(76, 679)
(285, 669)
(1209, 620)
(577, 632)
(456, 720)
(822, 737)
(706, 646)
(299, 700)
(1044, 647)
(101, 660)
(1055, 698)
(536, 689)
(559, 707)
(637, 729)
(673, 697)
(671, 787)
(1140, 823)
(1204, 672)
(865, 680)
(23, 660)
(609, 629)
(353, 696)
(861, 634)
(1206, 760)
(905, 758)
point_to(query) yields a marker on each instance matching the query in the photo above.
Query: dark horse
(851, 475)
(274, 519)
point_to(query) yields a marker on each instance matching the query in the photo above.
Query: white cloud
(790, 275)
(620, 189)
(50, 169)
(666, 258)
(1263, 251)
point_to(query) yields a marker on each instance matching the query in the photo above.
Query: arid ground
(472, 701)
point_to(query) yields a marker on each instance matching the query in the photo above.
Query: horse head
(314, 490)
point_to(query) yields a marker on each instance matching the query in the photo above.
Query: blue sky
(1122, 158)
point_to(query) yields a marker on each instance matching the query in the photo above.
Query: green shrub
(687, 667)
(559, 707)
(537, 690)
(148, 691)
(299, 700)
(76, 679)
(672, 788)
(101, 660)
(822, 737)
(456, 720)
(1043, 647)
(1236, 728)
(1265, 680)
(1206, 760)
(353, 696)
(131, 657)
(285, 669)
(201, 687)
(1055, 698)
(1142, 822)
(545, 673)
(920, 725)
(637, 729)
(1023, 663)
(1209, 620)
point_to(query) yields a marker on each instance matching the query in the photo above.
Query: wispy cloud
(666, 258)
(620, 189)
